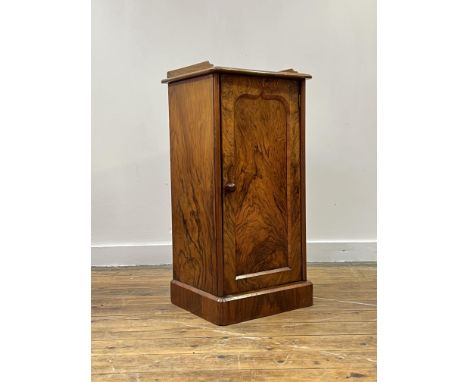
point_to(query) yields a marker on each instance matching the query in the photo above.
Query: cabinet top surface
(206, 67)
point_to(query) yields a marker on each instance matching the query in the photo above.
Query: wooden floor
(137, 335)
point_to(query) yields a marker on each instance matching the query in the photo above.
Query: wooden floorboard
(138, 335)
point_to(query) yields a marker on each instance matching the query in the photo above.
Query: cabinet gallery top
(206, 67)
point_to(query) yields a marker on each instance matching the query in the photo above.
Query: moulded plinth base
(243, 306)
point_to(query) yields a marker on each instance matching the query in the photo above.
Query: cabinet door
(262, 225)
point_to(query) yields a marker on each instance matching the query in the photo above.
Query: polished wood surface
(206, 67)
(189, 69)
(238, 192)
(241, 307)
(261, 155)
(260, 125)
(302, 163)
(138, 335)
(195, 228)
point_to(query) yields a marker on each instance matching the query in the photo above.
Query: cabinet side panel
(193, 182)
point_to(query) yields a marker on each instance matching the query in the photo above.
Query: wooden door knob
(230, 187)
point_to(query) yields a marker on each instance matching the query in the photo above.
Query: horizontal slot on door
(262, 273)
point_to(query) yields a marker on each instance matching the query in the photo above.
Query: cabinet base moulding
(240, 307)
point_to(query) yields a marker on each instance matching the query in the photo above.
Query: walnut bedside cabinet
(238, 192)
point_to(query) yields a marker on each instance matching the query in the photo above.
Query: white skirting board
(161, 253)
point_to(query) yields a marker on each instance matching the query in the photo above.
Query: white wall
(134, 43)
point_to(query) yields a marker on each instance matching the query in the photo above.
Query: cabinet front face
(262, 217)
